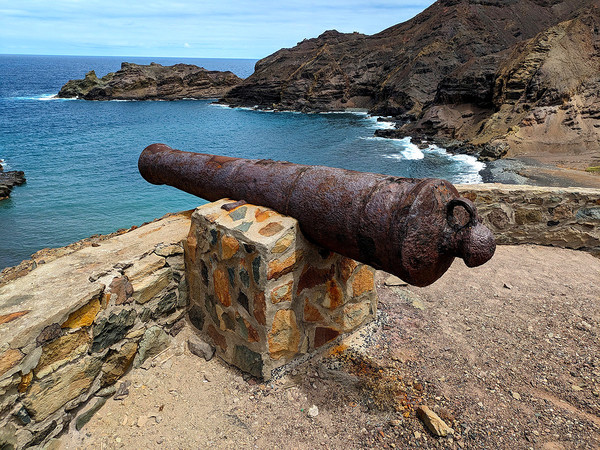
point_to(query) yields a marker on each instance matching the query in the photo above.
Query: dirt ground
(508, 354)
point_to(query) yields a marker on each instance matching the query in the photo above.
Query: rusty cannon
(412, 228)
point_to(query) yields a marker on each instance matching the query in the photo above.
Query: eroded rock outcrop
(152, 82)
(474, 74)
(8, 180)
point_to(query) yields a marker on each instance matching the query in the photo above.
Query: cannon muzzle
(412, 228)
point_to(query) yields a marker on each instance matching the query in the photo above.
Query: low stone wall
(70, 328)
(560, 217)
(263, 293)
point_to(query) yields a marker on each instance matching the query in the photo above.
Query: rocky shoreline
(152, 82)
(8, 180)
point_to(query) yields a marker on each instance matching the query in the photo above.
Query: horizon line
(125, 56)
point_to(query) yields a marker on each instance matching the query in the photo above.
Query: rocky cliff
(152, 82)
(482, 73)
(543, 100)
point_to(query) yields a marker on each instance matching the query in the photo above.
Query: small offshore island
(152, 82)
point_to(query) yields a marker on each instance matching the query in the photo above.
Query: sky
(186, 28)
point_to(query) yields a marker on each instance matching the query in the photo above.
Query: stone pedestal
(263, 293)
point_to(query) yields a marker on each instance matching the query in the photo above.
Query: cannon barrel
(412, 228)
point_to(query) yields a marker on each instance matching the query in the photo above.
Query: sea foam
(380, 124)
(43, 98)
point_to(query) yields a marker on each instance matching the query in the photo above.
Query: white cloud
(228, 28)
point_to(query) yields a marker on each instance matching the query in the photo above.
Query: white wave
(226, 106)
(384, 139)
(347, 111)
(287, 111)
(408, 154)
(471, 177)
(384, 125)
(396, 156)
(472, 166)
(432, 148)
(409, 150)
(254, 108)
(43, 97)
(47, 97)
(413, 152)
(380, 124)
(469, 167)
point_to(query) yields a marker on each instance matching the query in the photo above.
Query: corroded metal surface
(413, 228)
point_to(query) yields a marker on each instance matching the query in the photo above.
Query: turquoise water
(80, 157)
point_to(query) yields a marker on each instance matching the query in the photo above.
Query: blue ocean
(80, 157)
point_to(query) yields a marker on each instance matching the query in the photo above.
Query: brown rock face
(472, 71)
(153, 82)
(544, 99)
(284, 337)
(399, 69)
(61, 351)
(13, 316)
(364, 281)
(547, 93)
(9, 359)
(222, 287)
(324, 335)
(47, 395)
(117, 363)
(84, 316)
